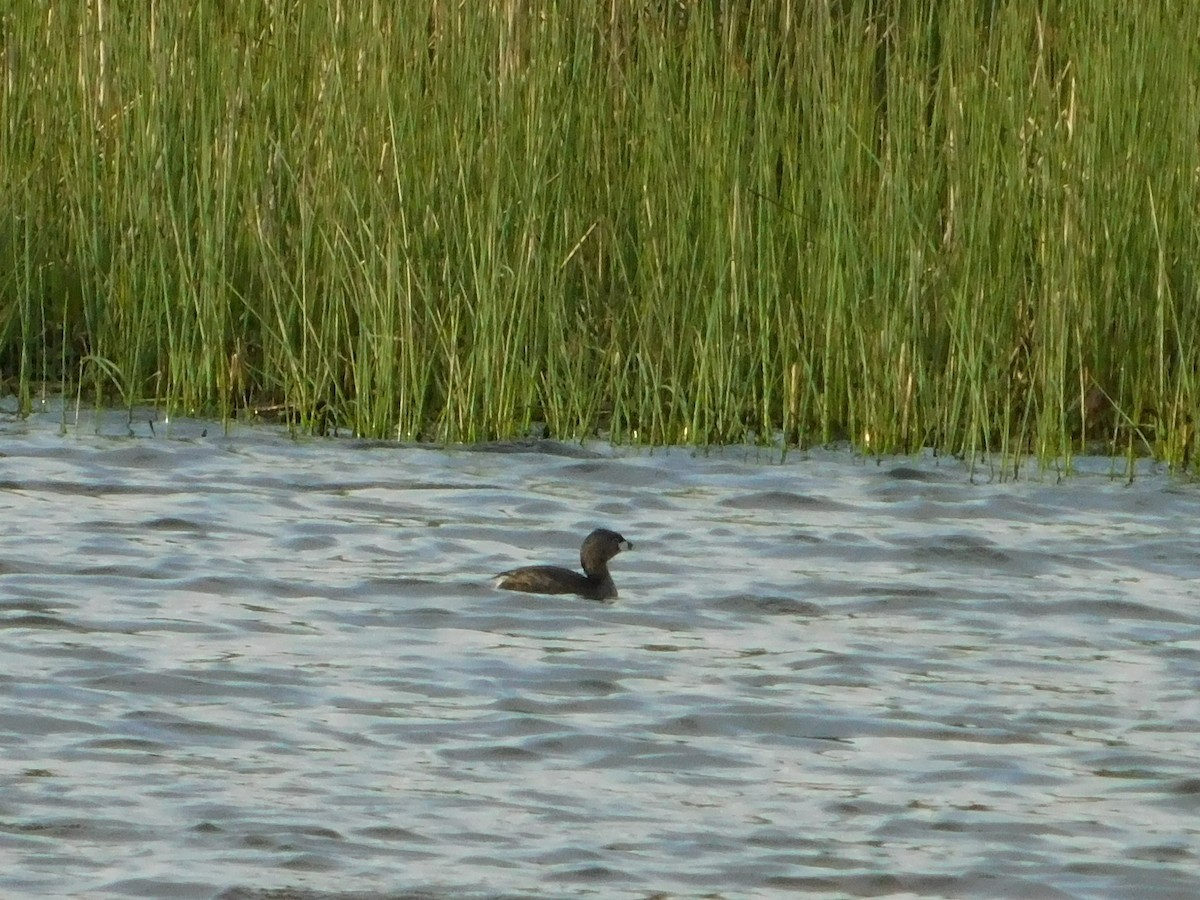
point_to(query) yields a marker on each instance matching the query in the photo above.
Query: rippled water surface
(240, 666)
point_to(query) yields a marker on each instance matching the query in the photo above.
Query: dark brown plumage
(595, 583)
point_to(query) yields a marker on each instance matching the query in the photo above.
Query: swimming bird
(595, 583)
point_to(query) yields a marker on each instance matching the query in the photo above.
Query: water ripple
(245, 667)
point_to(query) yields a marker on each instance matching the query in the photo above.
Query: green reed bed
(961, 225)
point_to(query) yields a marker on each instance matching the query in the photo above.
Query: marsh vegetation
(961, 225)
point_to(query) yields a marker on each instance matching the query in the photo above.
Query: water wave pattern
(242, 666)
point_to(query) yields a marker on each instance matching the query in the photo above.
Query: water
(246, 667)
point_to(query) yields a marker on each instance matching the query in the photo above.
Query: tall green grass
(960, 225)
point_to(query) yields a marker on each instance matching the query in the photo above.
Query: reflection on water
(247, 667)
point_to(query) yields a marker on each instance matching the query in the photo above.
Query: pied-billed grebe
(595, 583)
